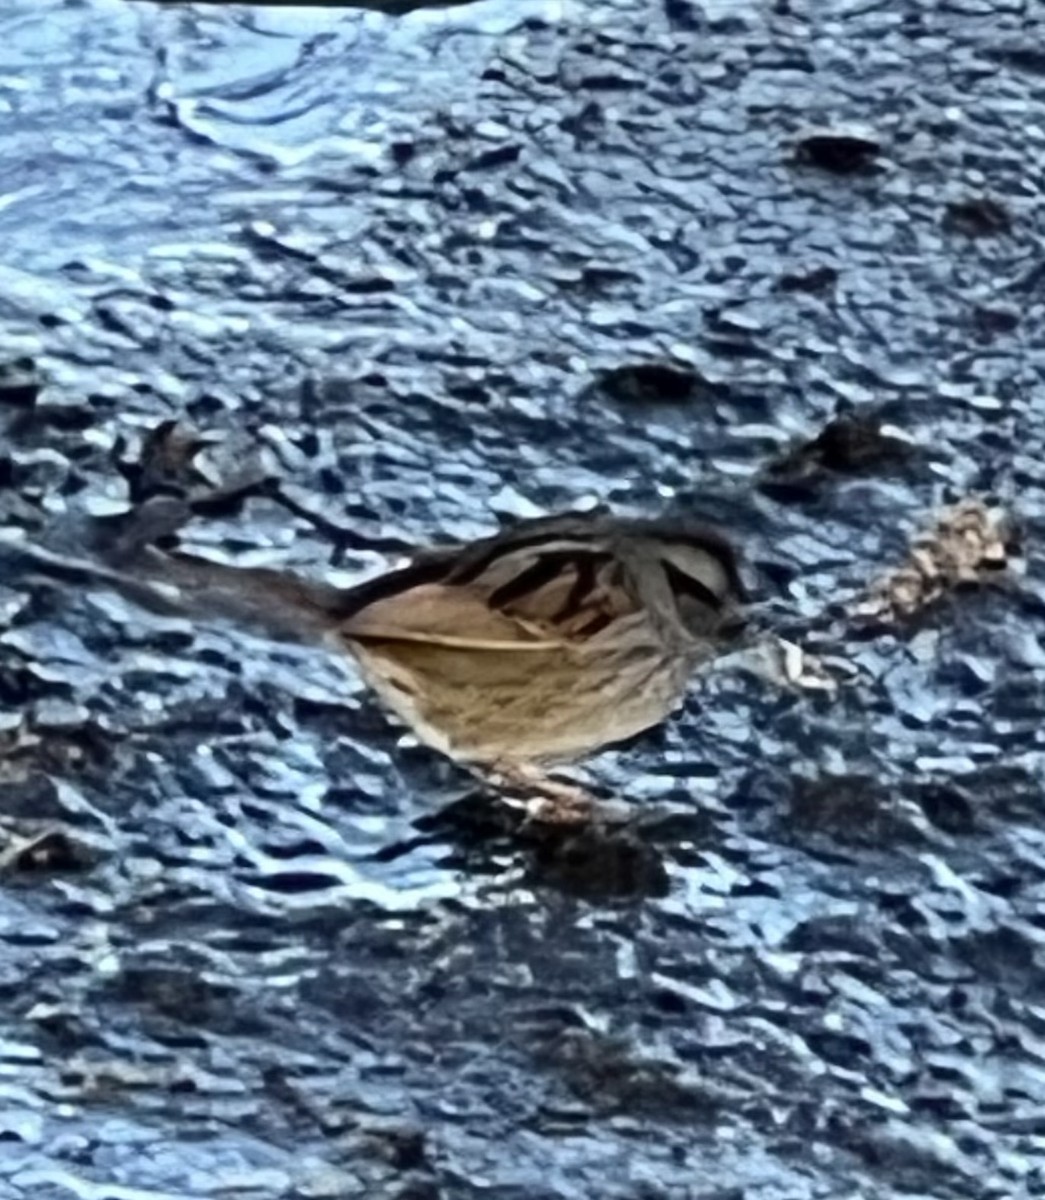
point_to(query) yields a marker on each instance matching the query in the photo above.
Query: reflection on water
(387, 261)
(113, 106)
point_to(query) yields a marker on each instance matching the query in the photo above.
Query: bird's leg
(548, 801)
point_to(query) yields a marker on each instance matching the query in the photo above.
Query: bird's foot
(554, 802)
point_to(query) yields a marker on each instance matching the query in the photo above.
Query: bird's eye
(699, 586)
(690, 587)
(708, 558)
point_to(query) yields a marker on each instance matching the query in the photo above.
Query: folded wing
(545, 583)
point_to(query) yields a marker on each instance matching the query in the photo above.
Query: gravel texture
(779, 264)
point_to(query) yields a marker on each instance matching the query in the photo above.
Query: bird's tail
(275, 603)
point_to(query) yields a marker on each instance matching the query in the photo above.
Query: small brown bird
(537, 645)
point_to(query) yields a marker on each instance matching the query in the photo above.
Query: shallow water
(393, 260)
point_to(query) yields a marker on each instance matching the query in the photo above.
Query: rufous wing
(542, 590)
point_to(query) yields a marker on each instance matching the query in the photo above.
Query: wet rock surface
(469, 265)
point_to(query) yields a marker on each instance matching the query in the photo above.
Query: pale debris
(967, 542)
(788, 665)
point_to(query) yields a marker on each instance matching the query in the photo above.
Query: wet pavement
(435, 272)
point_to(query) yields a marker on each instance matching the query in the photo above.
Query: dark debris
(522, 263)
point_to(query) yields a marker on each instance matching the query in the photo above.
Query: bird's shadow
(601, 861)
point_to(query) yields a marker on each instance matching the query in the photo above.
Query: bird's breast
(534, 705)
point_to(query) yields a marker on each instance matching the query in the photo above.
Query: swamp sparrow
(539, 644)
